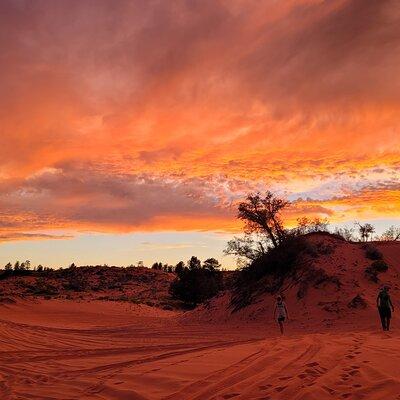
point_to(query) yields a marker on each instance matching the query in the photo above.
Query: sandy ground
(104, 350)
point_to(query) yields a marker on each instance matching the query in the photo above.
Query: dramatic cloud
(132, 115)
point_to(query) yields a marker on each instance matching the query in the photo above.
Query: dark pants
(385, 314)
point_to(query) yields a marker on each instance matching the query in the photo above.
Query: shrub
(372, 252)
(358, 303)
(380, 266)
(194, 286)
(273, 267)
(44, 288)
(375, 269)
(279, 261)
(76, 282)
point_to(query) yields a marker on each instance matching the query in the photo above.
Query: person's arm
(287, 313)
(275, 312)
(391, 304)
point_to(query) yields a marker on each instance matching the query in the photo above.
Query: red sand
(60, 349)
(66, 350)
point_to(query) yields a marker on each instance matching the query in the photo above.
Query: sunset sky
(129, 129)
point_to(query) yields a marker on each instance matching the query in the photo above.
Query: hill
(132, 284)
(336, 285)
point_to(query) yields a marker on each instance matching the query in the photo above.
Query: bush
(76, 282)
(375, 269)
(194, 286)
(380, 266)
(372, 252)
(278, 261)
(273, 267)
(357, 303)
(44, 288)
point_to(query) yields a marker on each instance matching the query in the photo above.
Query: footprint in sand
(329, 390)
(357, 385)
(284, 378)
(230, 395)
(264, 387)
(354, 372)
(346, 395)
(280, 388)
(345, 377)
(312, 372)
(312, 364)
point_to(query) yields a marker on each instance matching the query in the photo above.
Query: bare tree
(261, 215)
(391, 234)
(346, 233)
(308, 225)
(365, 231)
(246, 248)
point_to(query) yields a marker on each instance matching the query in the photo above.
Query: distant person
(280, 312)
(385, 307)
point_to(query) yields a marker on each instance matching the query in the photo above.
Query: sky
(129, 130)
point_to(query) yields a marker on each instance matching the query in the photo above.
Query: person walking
(280, 312)
(385, 307)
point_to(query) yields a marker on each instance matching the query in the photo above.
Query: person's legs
(388, 317)
(383, 318)
(281, 326)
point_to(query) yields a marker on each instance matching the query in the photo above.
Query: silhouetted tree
(261, 215)
(346, 233)
(391, 234)
(365, 231)
(309, 225)
(179, 267)
(194, 263)
(195, 284)
(212, 264)
(8, 267)
(157, 265)
(246, 248)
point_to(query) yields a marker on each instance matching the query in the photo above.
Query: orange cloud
(157, 115)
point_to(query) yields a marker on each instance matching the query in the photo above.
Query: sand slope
(315, 305)
(93, 350)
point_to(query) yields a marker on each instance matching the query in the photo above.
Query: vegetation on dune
(268, 253)
(372, 253)
(196, 282)
(372, 272)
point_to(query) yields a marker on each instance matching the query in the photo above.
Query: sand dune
(90, 349)
(94, 350)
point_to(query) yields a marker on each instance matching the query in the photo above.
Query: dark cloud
(83, 197)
